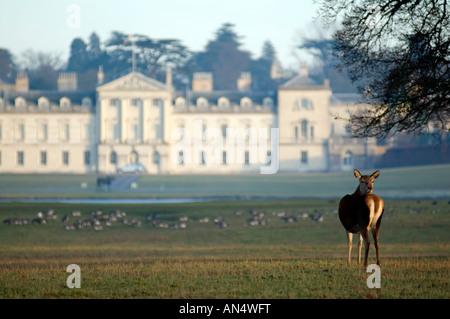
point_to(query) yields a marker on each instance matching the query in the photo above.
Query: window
(202, 102)
(224, 158)
(247, 158)
(223, 102)
(113, 158)
(269, 157)
(136, 131)
(115, 131)
(43, 158)
(311, 131)
(202, 157)
(180, 158)
(87, 132)
(136, 102)
(43, 102)
(307, 104)
(304, 128)
(21, 132)
(114, 102)
(157, 102)
(44, 132)
(224, 130)
(66, 132)
(180, 102)
(64, 102)
(20, 102)
(181, 131)
(348, 158)
(303, 104)
(268, 102)
(86, 102)
(246, 102)
(296, 132)
(158, 131)
(87, 157)
(65, 158)
(156, 157)
(20, 158)
(0, 131)
(304, 157)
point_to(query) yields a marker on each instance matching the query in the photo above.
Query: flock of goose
(98, 220)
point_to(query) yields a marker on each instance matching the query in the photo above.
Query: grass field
(394, 183)
(296, 250)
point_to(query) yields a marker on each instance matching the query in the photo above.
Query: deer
(360, 212)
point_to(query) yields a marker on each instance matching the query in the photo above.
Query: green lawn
(410, 182)
(281, 259)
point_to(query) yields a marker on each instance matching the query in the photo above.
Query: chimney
(202, 82)
(244, 82)
(169, 76)
(22, 82)
(275, 70)
(67, 81)
(100, 75)
(303, 70)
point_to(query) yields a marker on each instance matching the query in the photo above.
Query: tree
(153, 57)
(42, 69)
(7, 66)
(93, 50)
(399, 50)
(261, 68)
(322, 49)
(223, 58)
(78, 56)
(269, 53)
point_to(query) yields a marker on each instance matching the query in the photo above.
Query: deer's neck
(358, 192)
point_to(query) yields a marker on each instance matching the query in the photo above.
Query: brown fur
(360, 212)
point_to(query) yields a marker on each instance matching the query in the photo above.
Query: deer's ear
(375, 174)
(357, 173)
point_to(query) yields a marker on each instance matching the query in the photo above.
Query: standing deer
(360, 212)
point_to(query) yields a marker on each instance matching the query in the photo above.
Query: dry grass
(302, 259)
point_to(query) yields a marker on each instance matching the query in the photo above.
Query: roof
(303, 81)
(232, 96)
(53, 96)
(134, 81)
(299, 81)
(345, 98)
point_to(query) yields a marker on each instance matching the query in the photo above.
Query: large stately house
(298, 128)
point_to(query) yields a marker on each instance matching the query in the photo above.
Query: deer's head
(366, 182)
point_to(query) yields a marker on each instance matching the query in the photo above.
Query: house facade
(298, 128)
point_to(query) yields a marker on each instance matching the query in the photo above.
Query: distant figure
(104, 182)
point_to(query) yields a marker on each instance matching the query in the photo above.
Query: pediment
(134, 82)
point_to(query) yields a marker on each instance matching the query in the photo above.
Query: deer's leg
(350, 238)
(365, 235)
(375, 238)
(359, 248)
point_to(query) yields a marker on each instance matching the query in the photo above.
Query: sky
(51, 25)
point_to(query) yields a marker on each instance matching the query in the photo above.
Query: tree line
(223, 56)
(394, 53)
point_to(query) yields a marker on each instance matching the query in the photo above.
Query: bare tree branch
(399, 50)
